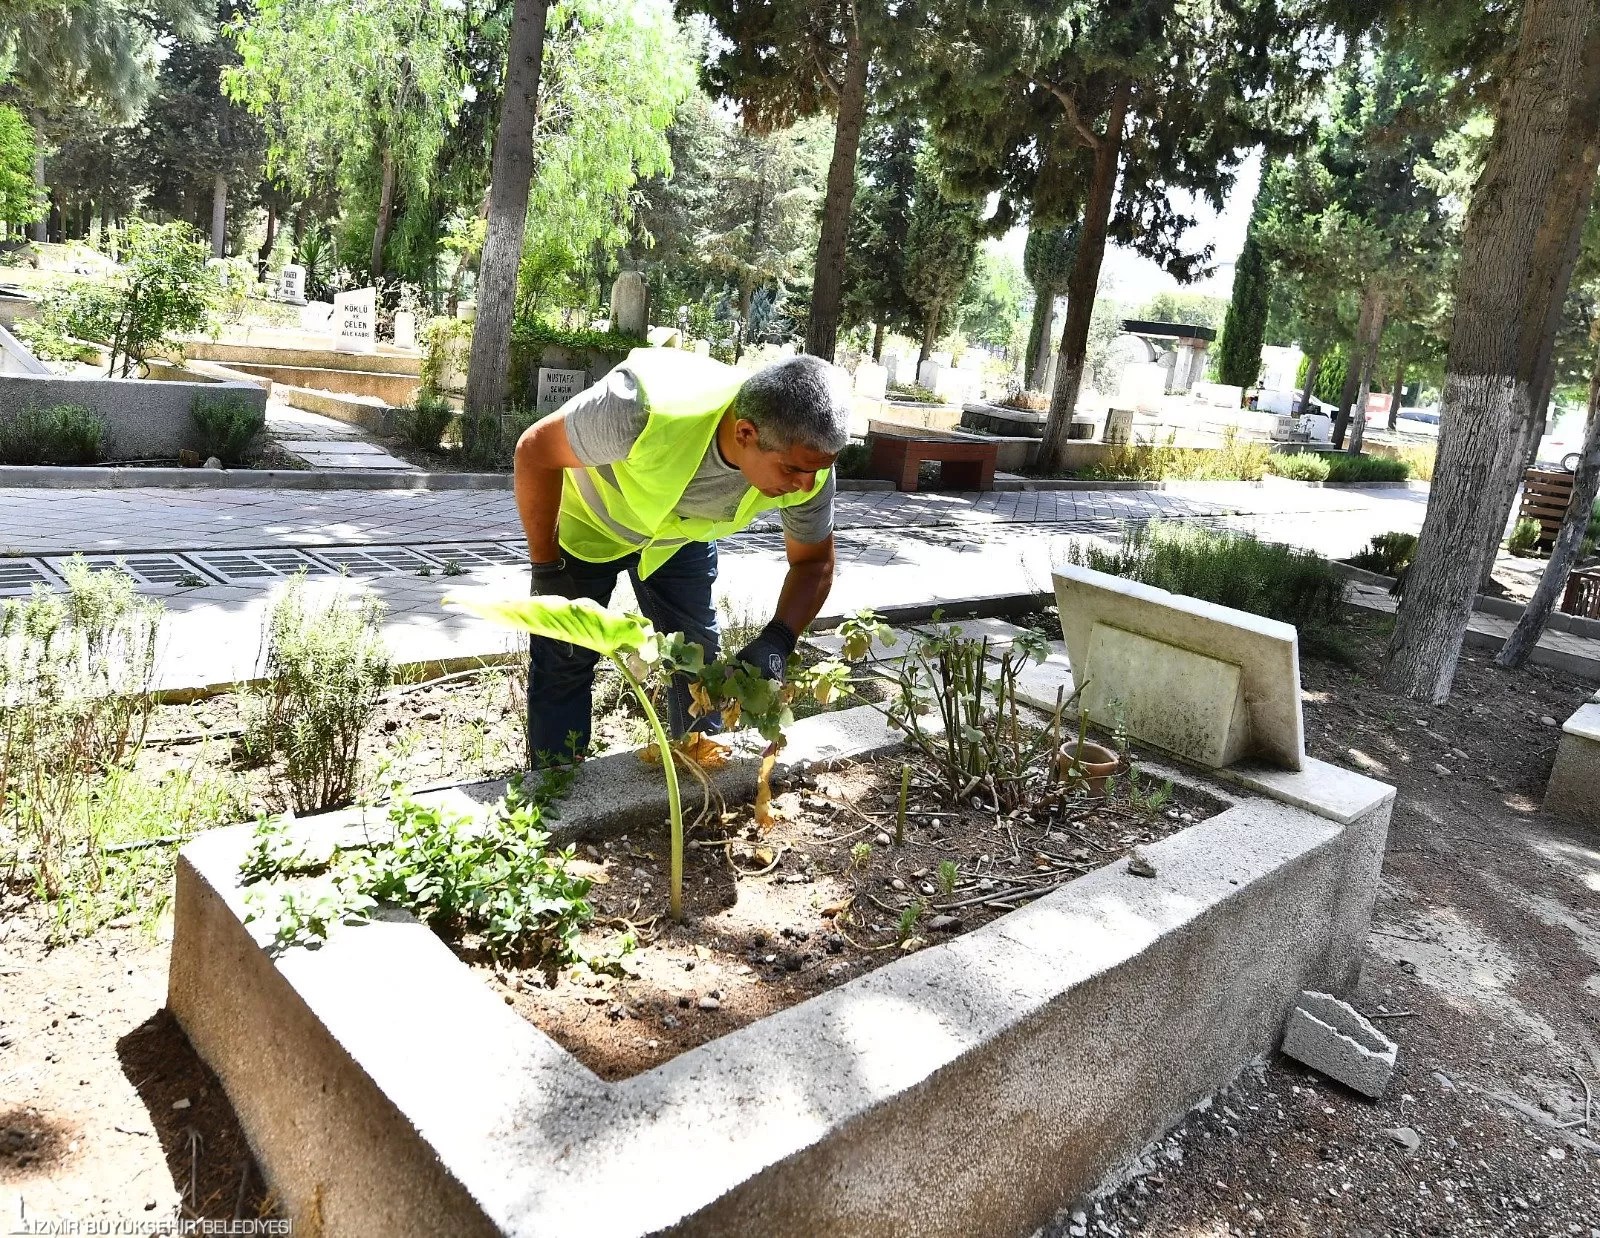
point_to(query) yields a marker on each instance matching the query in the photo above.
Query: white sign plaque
(355, 321)
(292, 284)
(556, 387)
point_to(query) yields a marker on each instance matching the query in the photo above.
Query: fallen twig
(1393, 1014)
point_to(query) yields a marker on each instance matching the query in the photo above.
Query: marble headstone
(355, 321)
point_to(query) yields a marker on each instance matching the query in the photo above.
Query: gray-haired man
(642, 473)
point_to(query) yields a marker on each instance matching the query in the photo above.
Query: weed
(1387, 553)
(227, 427)
(1300, 466)
(861, 856)
(453, 568)
(60, 434)
(424, 423)
(908, 920)
(1151, 799)
(1524, 539)
(948, 874)
(1234, 460)
(326, 666)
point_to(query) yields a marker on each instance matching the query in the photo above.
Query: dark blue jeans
(675, 598)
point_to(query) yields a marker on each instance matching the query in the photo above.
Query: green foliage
(326, 668)
(852, 461)
(1330, 374)
(1235, 460)
(948, 875)
(1387, 553)
(1524, 539)
(1232, 569)
(69, 318)
(59, 434)
(75, 679)
(496, 879)
(1244, 330)
(1347, 468)
(990, 310)
(227, 427)
(1047, 261)
(875, 255)
(424, 423)
(20, 199)
(1300, 466)
(1195, 309)
(941, 248)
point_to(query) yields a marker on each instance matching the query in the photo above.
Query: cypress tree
(1245, 327)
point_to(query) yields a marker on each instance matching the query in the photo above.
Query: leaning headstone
(1119, 426)
(292, 284)
(556, 387)
(355, 321)
(405, 329)
(928, 374)
(872, 381)
(628, 303)
(315, 317)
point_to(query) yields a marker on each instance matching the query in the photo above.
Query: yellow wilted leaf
(704, 751)
(699, 700)
(763, 805)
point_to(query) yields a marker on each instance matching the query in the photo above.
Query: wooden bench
(1582, 596)
(963, 464)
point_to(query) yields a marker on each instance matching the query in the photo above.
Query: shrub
(1300, 466)
(81, 311)
(1524, 539)
(60, 434)
(1232, 569)
(1348, 468)
(1234, 460)
(852, 461)
(424, 423)
(75, 696)
(1387, 553)
(326, 667)
(227, 427)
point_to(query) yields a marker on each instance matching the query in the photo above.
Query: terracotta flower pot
(1096, 764)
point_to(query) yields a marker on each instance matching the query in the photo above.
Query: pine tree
(941, 248)
(1047, 261)
(1245, 328)
(875, 259)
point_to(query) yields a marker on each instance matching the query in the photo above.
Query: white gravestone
(928, 373)
(315, 317)
(556, 387)
(292, 284)
(1119, 426)
(872, 381)
(405, 329)
(892, 362)
(628, 303)
(355, 321)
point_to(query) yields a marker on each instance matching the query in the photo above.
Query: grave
(1119, 427)
(355, 321)
(1570, 793)
(405, 329)
(871, 381)
(628, 304)
(556, 387)
(292, 284)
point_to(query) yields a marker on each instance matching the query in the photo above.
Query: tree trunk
(1399, 393)
(1038, 360)
(827, 281)
(219, 215)
(1083, 283)
(264, 254)
(877, 343)
(511, 174)
(380, 230)
(1569, 541)
(1369, 367)
(1352, 373)
(1312, 367)
(930, 335)
(1502, 293)
(41, 226)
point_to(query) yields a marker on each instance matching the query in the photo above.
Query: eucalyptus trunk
(1399, 393)
(1312, 366)
(827, 281)
(930, 334)
(41, 226)
(1569, 541)
(264, 254)
(1083, 283)
(1545, 136)
(511, 175)
(1038, 359)
(877, 342)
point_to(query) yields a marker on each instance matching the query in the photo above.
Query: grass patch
(59, 434)
(1347, 468)
(1301, 466)
(1234, 460)
(1233, 569)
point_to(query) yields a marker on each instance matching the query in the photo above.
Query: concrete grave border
(1575, 777)
(973, 1087)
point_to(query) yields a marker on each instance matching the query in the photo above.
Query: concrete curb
(1584, 665)
(1502, 608)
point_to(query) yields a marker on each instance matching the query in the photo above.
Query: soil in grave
(775, 916)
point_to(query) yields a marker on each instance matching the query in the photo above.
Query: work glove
(769, 652)
(552, 578)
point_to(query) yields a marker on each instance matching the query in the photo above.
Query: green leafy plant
(69, 320)
(1299, 466)
(1150, 799)
(852, 461)
(424, 423)
(909, 919)
(326, 668)
(227, 427)
(948, 875)
(1524, 539)
(59, 434)
(1347, 468)
(1387, 553)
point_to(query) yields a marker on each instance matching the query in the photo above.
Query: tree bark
(1369, 367)
(930, 335)
(380, 230)
(511, 174)
(1312, 367)
(219, 215)
(1399, 393)
(1502, 294)
(1569, 541)
(41, 226)
(877, 342)
(827, 280)
(1083, 284)
(1352, 373)
(1039, 356)
(264, 254)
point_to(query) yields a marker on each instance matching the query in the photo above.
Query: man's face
(776, 473)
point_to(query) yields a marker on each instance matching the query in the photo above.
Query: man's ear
(746, 435)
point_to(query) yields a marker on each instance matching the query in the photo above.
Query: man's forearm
(805, 589)
(538, 493)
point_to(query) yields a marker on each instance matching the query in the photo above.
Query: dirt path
(1487, 941)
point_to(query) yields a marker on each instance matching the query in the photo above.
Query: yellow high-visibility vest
(616, 509)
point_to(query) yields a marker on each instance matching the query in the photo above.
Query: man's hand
(769, 652)
(552, 578)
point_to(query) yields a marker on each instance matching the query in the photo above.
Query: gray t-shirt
(605, 420)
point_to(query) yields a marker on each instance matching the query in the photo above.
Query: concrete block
(1573, 792)
(998, 632)
(1041, 684)
(1266, 652)
(1330, 791)
(1179, 700)
(1333, 1038)
(832, 645)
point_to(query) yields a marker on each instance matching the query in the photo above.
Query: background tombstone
(871, 381)
(928, 373)
(556, 387)
(355, 321)
(292, 284)
(1119, 426)
(628, 304)
(315, 317)
(405, 329)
